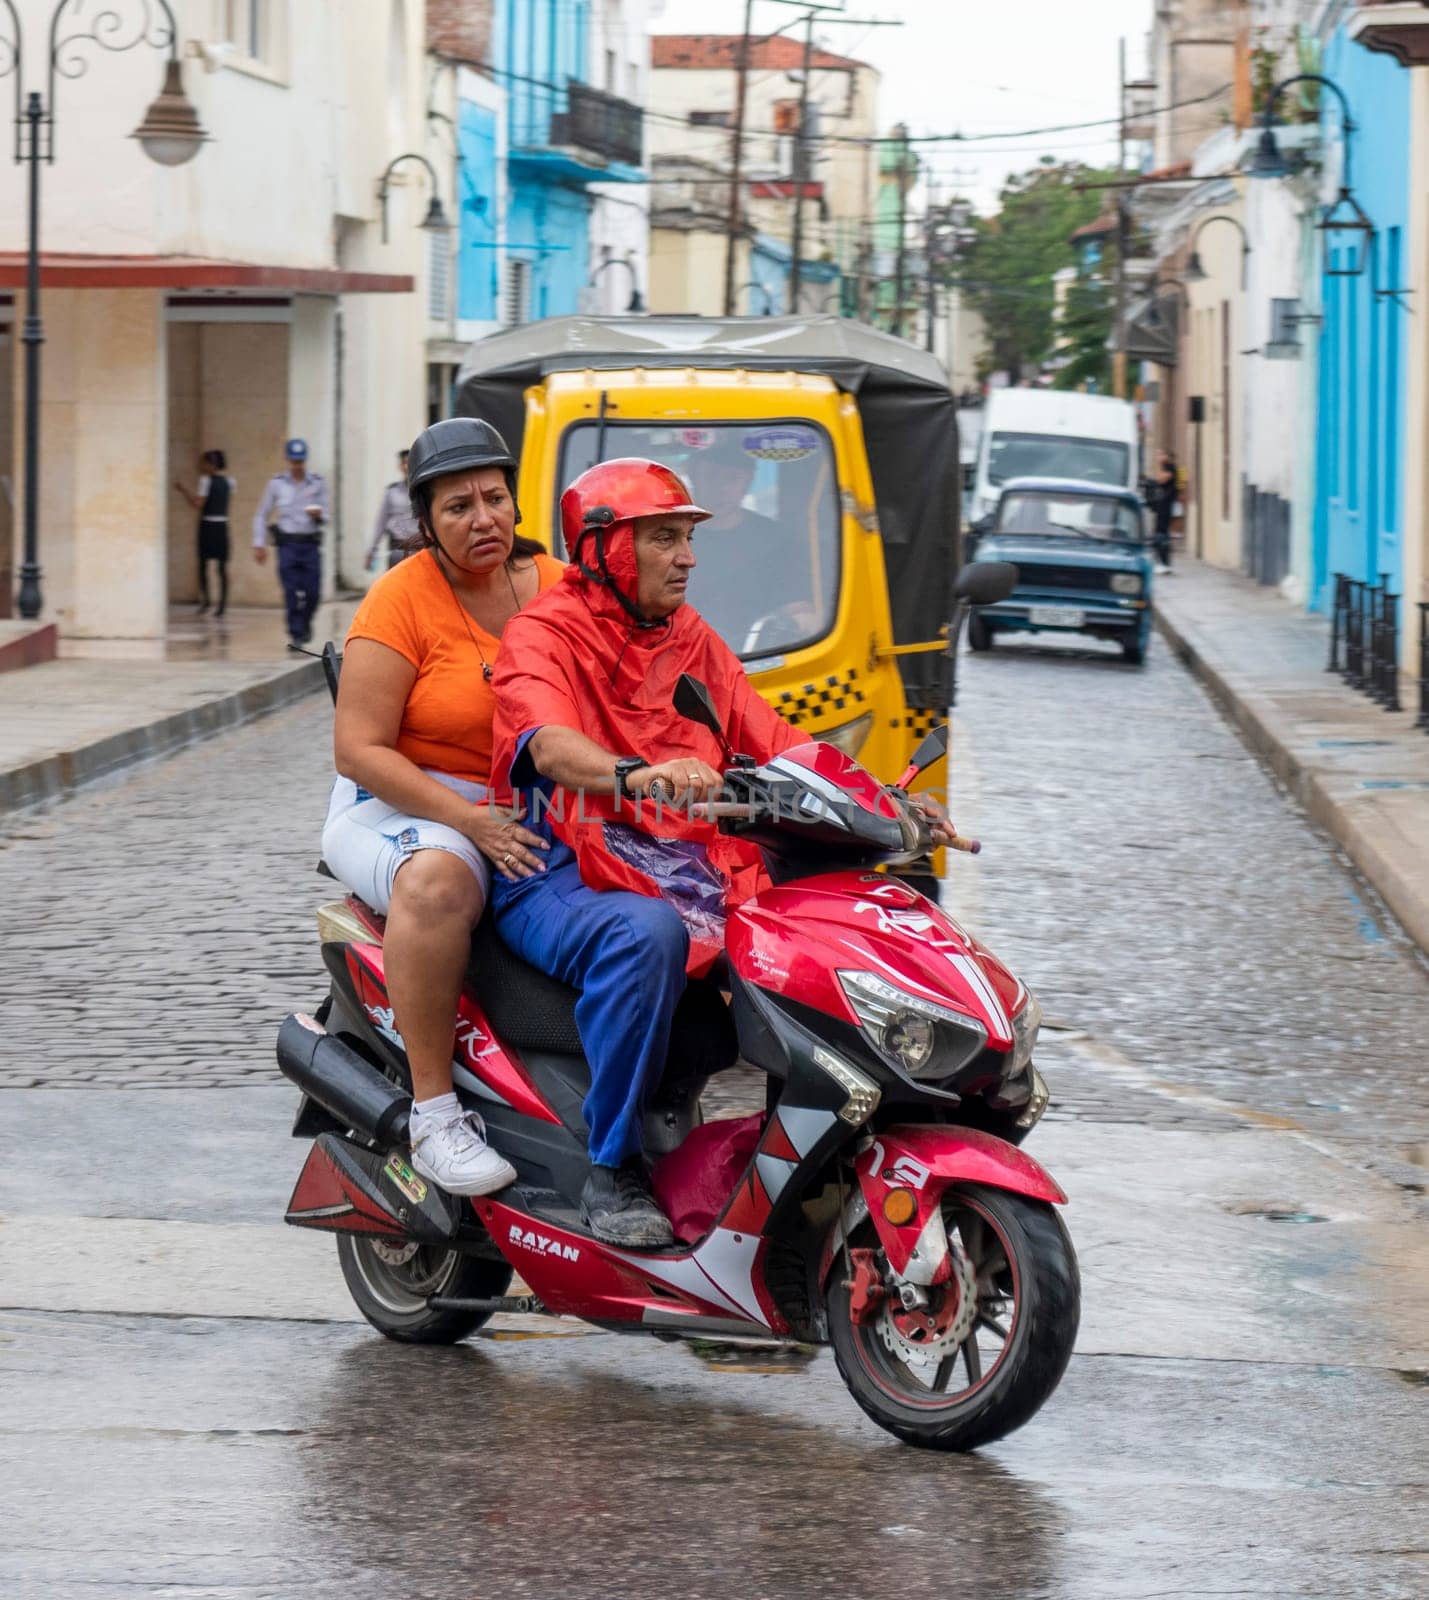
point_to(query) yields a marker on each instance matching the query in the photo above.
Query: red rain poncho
(575, 659)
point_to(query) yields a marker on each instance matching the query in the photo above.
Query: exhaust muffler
(342, 1082)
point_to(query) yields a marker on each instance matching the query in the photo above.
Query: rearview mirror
(984, 583)
(695, 704)
(932, 749)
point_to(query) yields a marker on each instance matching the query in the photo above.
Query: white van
(1051, 433)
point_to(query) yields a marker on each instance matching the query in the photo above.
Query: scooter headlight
(1024, 1035)
(918, 1038)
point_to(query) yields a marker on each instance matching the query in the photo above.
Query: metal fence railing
(1364, 641)
(1422, 720)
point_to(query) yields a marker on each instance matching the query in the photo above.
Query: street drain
(1415, 1377)
(1276, 1213)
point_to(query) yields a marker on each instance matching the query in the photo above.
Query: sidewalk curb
(61, 774)
(1256, 720)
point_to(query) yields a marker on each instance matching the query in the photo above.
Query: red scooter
(880, 1203)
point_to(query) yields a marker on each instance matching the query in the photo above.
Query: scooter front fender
(925, 1162)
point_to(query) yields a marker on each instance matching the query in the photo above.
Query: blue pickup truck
(1083, 561)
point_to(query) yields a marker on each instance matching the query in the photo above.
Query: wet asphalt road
(189, 1411)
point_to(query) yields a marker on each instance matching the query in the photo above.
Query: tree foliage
(1082, 332)
(1008, 269)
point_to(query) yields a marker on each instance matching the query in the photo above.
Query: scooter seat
(524, 1006)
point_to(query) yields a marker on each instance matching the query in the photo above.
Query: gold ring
(507, 859)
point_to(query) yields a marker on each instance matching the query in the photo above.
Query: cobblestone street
(1140, 871)
(1144, 876)
(1204, 959)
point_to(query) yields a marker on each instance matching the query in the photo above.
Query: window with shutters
(439, 277)
(516, 306)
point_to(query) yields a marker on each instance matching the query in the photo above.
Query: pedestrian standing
(291, 516)
(212, 501)
(1166, 495)
(395, 521)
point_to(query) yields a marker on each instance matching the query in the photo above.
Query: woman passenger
(409, 828)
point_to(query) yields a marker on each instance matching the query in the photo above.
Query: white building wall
(1279, 394)
(620, 212)
(298, 142)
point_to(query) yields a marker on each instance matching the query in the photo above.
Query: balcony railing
(602, 123)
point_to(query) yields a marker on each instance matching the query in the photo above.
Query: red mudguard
(926, 1161)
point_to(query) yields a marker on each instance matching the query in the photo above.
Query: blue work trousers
(626, 953)
(300, 571)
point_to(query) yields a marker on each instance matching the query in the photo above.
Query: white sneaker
(1164, 571)
(454, 1154)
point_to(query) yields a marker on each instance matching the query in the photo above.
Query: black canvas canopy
(908, 413)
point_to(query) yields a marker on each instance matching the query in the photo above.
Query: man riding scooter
(637, 888)
(584, 688)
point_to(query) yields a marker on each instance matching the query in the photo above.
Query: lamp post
(1193, 269)
(436, 219)
(637, 304)
(170, 134)
(1345, 214)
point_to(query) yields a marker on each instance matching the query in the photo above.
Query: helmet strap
(440, 548)
(604, 578)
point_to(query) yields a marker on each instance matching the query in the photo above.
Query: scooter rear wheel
(991, 1345)
(390, 1284)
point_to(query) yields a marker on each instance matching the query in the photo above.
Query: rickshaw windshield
(768, 574)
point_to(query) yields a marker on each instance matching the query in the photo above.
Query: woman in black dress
(214, 496)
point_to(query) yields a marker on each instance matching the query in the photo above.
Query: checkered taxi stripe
(917, 723)
(813, 702)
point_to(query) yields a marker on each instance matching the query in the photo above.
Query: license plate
(1056, 616)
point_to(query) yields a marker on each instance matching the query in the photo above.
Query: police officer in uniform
(291, 515)
(395, 521)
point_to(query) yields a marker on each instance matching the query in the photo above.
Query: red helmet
(612, 492)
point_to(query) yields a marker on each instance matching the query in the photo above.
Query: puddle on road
(1273, 1213)
(721, 1355)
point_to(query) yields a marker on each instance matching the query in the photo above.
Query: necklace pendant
(486, 670)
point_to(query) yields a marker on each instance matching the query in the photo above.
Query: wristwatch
(623, 768)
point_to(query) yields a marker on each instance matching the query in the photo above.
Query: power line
(886, 139)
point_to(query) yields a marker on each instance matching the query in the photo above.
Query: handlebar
(714, 810)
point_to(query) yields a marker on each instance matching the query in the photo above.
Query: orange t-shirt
(446, 723)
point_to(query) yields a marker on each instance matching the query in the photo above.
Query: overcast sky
(973, 67)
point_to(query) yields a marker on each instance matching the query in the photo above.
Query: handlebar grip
(971, 846)
(660, 790)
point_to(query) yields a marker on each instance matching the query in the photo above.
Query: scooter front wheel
(989, 1346)
(390, 1283)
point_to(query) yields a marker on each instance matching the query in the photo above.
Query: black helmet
(455, 445)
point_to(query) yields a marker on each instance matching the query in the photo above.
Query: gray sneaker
(618, 1208)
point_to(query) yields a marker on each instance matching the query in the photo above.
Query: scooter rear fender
(925, 1162)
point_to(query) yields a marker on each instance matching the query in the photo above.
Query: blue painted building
(531, 258)
(1358, 513)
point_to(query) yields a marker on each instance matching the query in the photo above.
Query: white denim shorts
(365, 840)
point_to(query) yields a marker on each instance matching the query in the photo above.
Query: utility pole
(930, 220)
(901, 259)
(801, 168)
(1123, 233)
(736, 158)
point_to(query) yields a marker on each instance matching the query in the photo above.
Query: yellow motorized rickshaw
(827, 451)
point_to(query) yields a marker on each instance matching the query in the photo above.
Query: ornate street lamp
(436, 219)
(169, 134)
(1344, 221)
(1153, 317)
(637, 304)
(1194, 271)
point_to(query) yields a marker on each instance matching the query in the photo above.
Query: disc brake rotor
(925, 1336)
(394, 1255)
